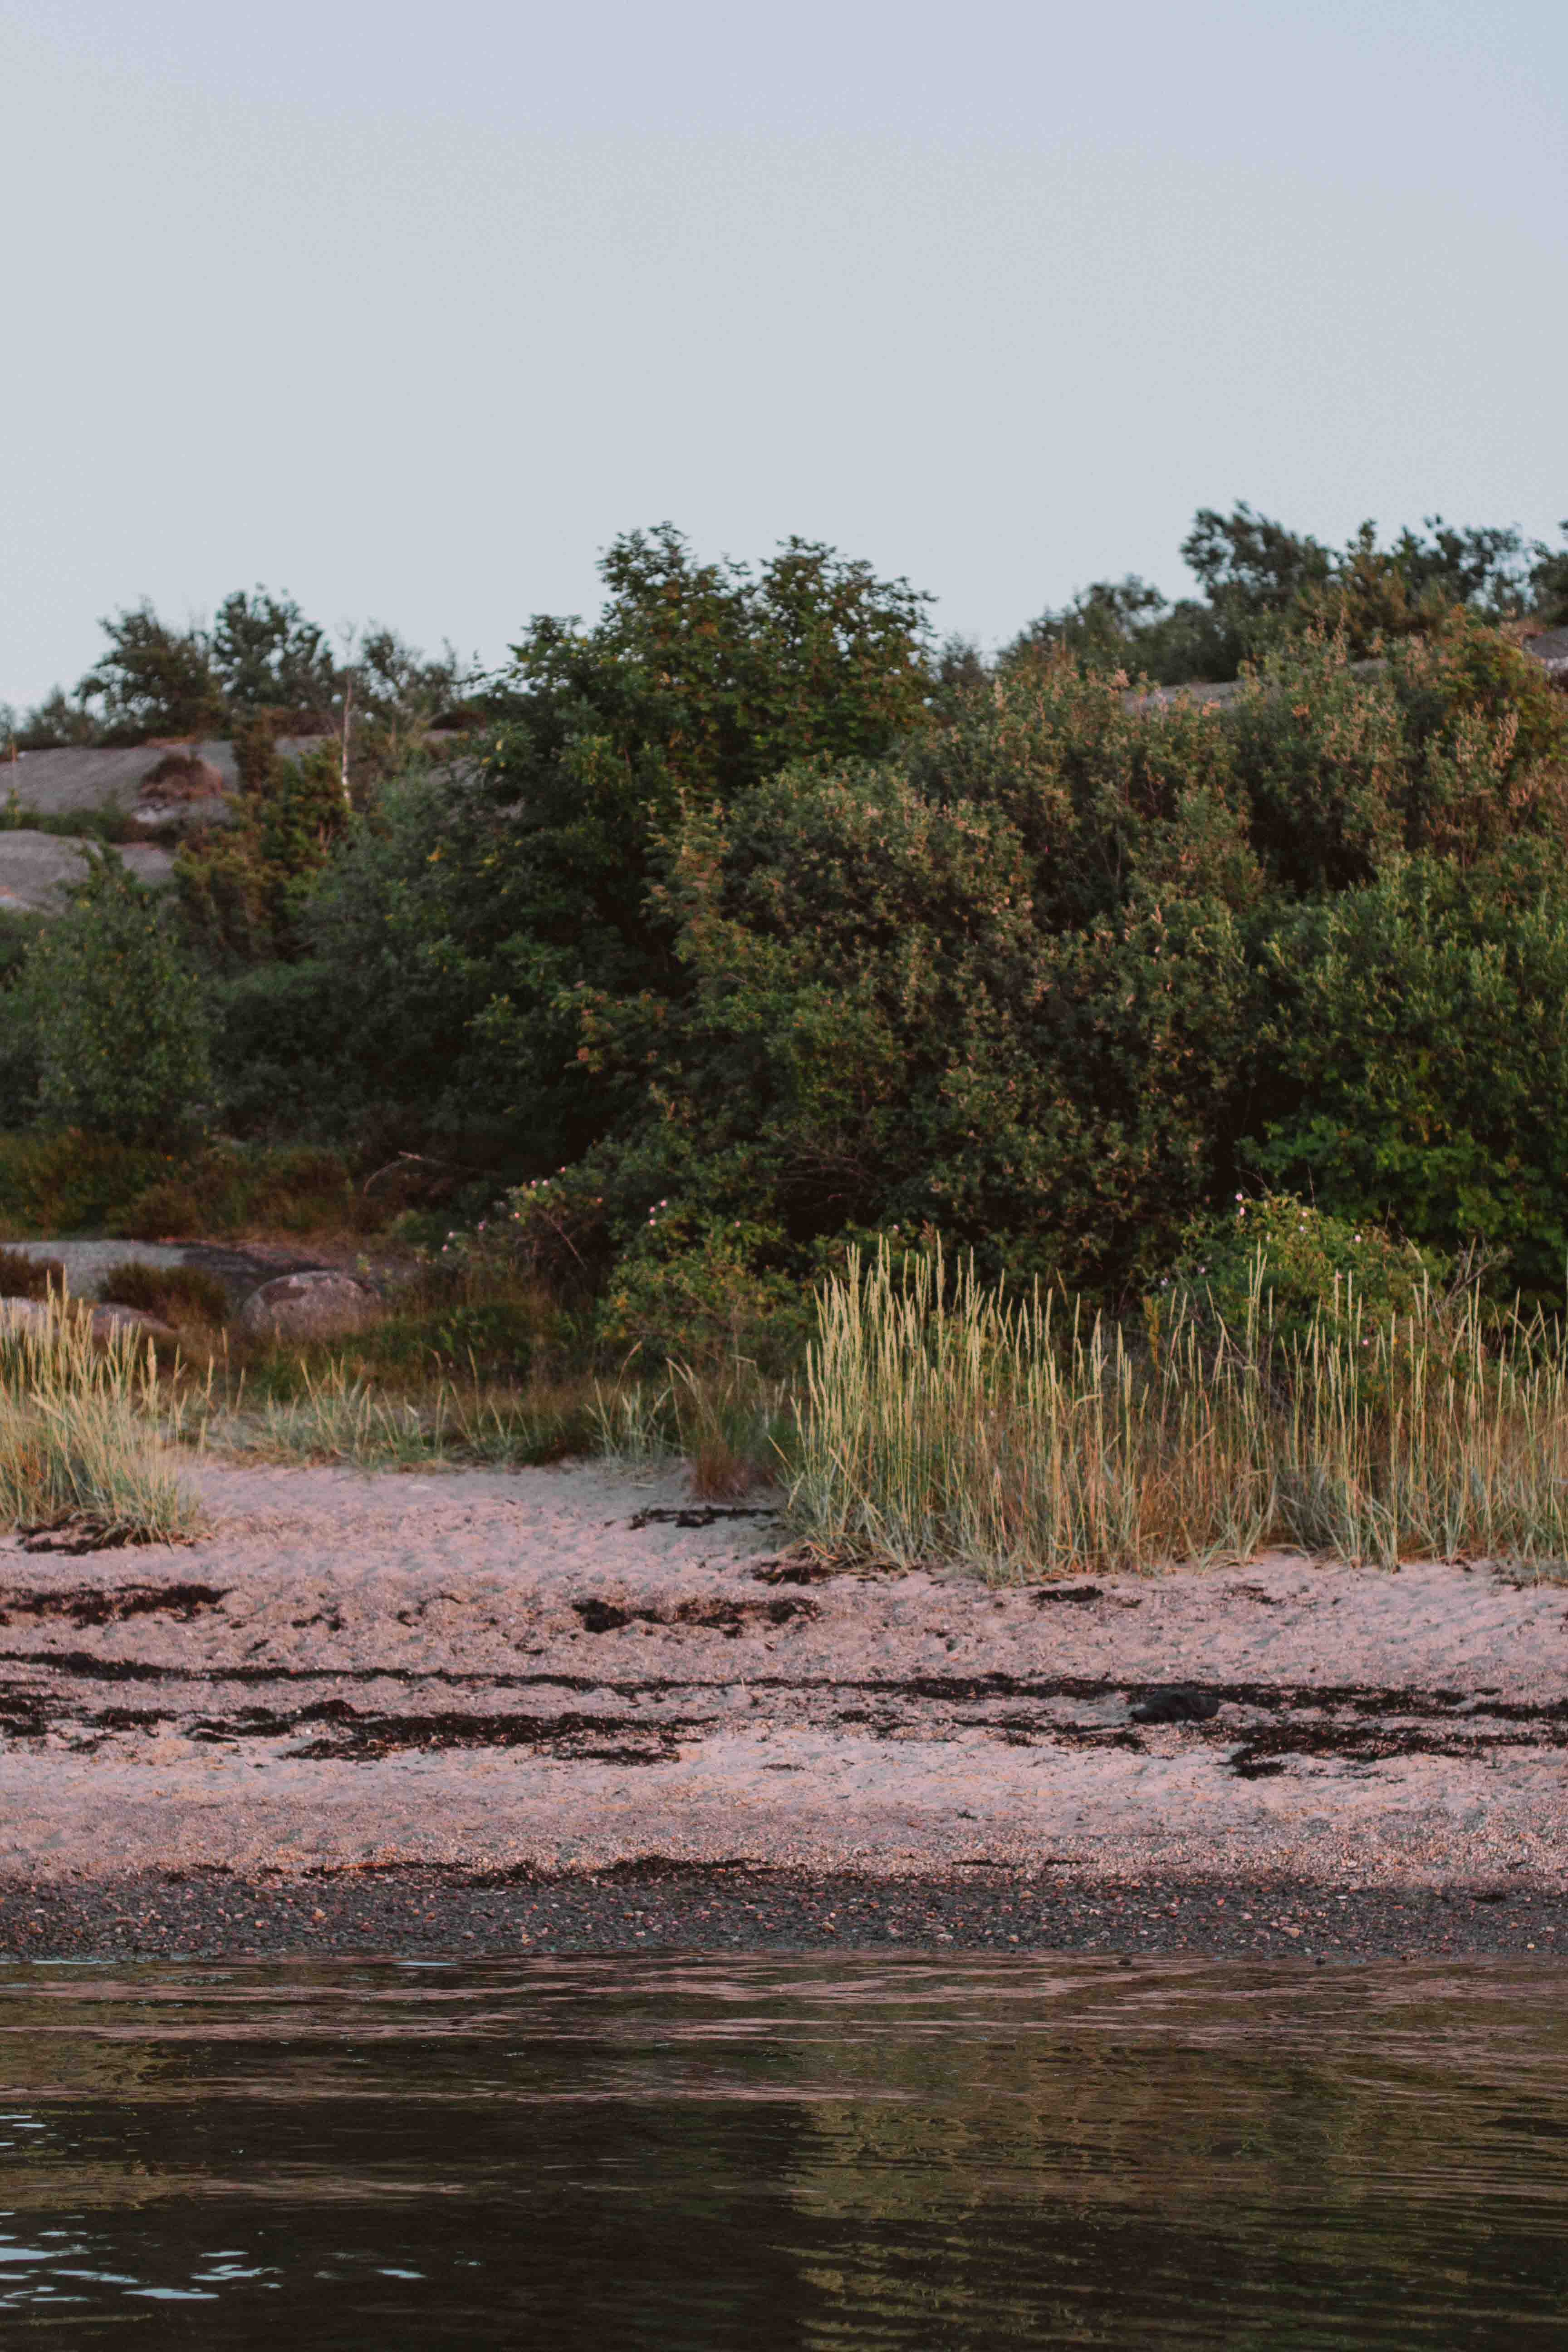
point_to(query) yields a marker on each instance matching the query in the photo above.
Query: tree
(267, 655)
(1263, 583)
(999, 987)
(1417, 1056)
(1549, 581)
(154, 680)
(59, 722)
(485, 900)
(1251, 567)
(1483, 568)
(116, 1013)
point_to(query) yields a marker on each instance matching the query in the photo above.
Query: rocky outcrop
(38, 870)
(1551, 650)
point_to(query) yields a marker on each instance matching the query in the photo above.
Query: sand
(506, 1677)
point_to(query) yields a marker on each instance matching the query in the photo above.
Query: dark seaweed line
(31, 1713)
(1268, 1699)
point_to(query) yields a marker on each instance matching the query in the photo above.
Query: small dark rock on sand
(1174, 1703)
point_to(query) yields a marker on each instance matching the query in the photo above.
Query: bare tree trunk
(348, 722)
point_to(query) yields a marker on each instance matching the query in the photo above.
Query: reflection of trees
(1066, 2186)
(826, 2159)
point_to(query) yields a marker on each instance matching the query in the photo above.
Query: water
(905, 2153)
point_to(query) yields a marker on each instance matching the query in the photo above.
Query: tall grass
(731, 1425)
(336, 1414)
(77, 1440)
(944, 1420)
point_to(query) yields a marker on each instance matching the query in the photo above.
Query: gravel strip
(647, 1908)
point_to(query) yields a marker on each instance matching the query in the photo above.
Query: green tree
(19, 1045)
(1001, 988)
(1416, 1063)
(117, 1013)
(1264, 584)
(154, 680)
(482, 902)
(242, 885)
(61, 720)
(266, 656)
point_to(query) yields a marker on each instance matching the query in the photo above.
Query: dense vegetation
(748, 921)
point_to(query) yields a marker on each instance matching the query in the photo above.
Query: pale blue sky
(410, 309)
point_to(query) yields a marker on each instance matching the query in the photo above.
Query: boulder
(107, 1320)
(323, 1305)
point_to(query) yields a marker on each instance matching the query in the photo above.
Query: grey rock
(321, 1305)
(107, 1320)
(33, 1318)
(36, 869)
(1551, 650)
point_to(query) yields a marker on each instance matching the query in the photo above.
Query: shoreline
(400, 1913)
(489, 1684)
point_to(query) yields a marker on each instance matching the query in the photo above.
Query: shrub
(18, 1043)
(241, 886)
(68, 1183)
(118, 1016)
(177, 1294)
(278, 1046)
(1294, 1265)
(22, 1276)
(695, 1291)
(1414, 1068)
(1021, 1017)
(230, 1190)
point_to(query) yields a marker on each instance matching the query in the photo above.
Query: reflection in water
(767, 2153)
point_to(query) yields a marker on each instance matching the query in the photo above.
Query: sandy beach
(574, 1677)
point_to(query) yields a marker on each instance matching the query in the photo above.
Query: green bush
(178, 1293)
(18, 1043)
(23, 1276)
(68, 1183)
(1007, 995)
(118, 1015)
(1415, 1062)
(1295, 1266)
(277, 1038)
(241, 884)
(469, 908)
(694, 1291)
(230, 1190)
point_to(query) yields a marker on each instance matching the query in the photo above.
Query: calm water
(759, 2153)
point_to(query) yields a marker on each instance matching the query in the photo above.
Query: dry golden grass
(77, 1436)
(944, 1420)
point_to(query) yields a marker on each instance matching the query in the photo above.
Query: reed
(944, 1420)
(77, 1436)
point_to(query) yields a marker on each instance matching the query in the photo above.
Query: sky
(409, 311)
